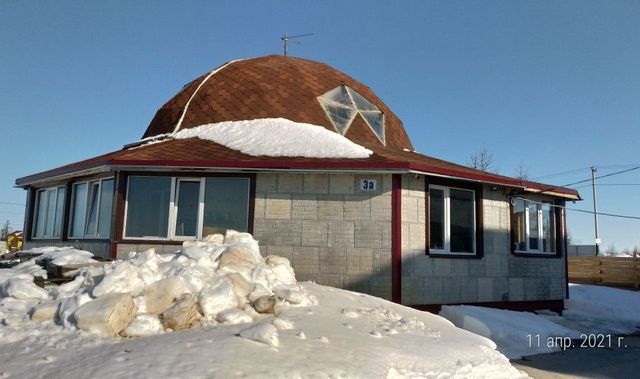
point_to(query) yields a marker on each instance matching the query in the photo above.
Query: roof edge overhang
(321, 165)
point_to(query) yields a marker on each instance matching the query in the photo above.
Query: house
(12, 242)
(321, 171)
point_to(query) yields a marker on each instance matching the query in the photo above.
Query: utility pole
(595, 208)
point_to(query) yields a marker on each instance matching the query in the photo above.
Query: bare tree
(522, 171)
(482, 160)
(611, 250)
(4, 230)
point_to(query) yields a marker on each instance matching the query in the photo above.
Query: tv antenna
(285, 38)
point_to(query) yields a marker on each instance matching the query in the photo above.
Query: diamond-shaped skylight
(343, 103)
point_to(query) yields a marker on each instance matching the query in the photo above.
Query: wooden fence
(605, 270)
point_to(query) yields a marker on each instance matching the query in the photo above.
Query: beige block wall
(497, 276)
(98, 248)
(123, 249)
(333, 233)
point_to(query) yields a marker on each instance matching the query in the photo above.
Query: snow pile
(219, 280)
(277, 137)
(600, 309)
(516, 334)
(62, 256)
(346, 335)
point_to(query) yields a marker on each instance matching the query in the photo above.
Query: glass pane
(226, 205)
(361, 103)
(375, 120)
(148, 206)
(534, 239)
(92, 216)
(79, 209)
(41, 213)
(341, 116)
(548, 229)
(462, 222)
(187, 205)
(436, 218)
(520, 225)
(338, 95)
(106, 202)
(59, 211)
(51, 213)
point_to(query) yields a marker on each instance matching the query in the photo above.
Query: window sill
(530, 254)
(433, 254)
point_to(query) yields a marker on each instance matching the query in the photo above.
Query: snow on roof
(277, 137)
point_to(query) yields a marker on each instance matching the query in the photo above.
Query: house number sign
(368, 185)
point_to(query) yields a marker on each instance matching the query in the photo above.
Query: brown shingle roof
(198, 153)
(271, 86)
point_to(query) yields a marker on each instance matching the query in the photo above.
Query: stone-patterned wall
(498, 276)
(101, 249)
(123, 249)
(333, 233)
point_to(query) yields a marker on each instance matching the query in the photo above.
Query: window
(342, 104)
(534, 227)
(452, 220)
(185, 208)
(49, 207)
(148, 200)
(91, 209)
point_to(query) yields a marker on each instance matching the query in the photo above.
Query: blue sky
(552, 84)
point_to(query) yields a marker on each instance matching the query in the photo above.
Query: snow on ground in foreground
(240, 315)
(600, 309)
(513, 332)
(589, 310)
(346, 335)
(277, 137)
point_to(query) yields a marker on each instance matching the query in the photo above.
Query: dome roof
(277, 86)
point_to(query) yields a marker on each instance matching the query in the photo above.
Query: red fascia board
(264, 164)
(309, 164)
(492, 179)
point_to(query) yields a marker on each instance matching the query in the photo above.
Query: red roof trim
(320, 164)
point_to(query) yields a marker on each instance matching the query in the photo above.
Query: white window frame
(34, 220)
(173, 208)
(447, 224)
(72, 209)
(540, 249)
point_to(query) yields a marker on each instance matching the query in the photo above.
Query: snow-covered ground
(590, 311)
(250, 319)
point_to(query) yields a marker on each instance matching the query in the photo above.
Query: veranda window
(177, 208)
(49, 208)
(91, 209)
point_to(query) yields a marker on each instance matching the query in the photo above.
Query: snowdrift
(232, 313)
(219, 280)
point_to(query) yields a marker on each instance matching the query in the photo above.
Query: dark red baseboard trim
(523, 306)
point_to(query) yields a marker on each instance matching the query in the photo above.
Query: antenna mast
(285, 38)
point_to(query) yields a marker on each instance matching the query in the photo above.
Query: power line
(9, 203)
(561, 173)
(577, 210)
(610, 184)
(602, 176)
(603, 214)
